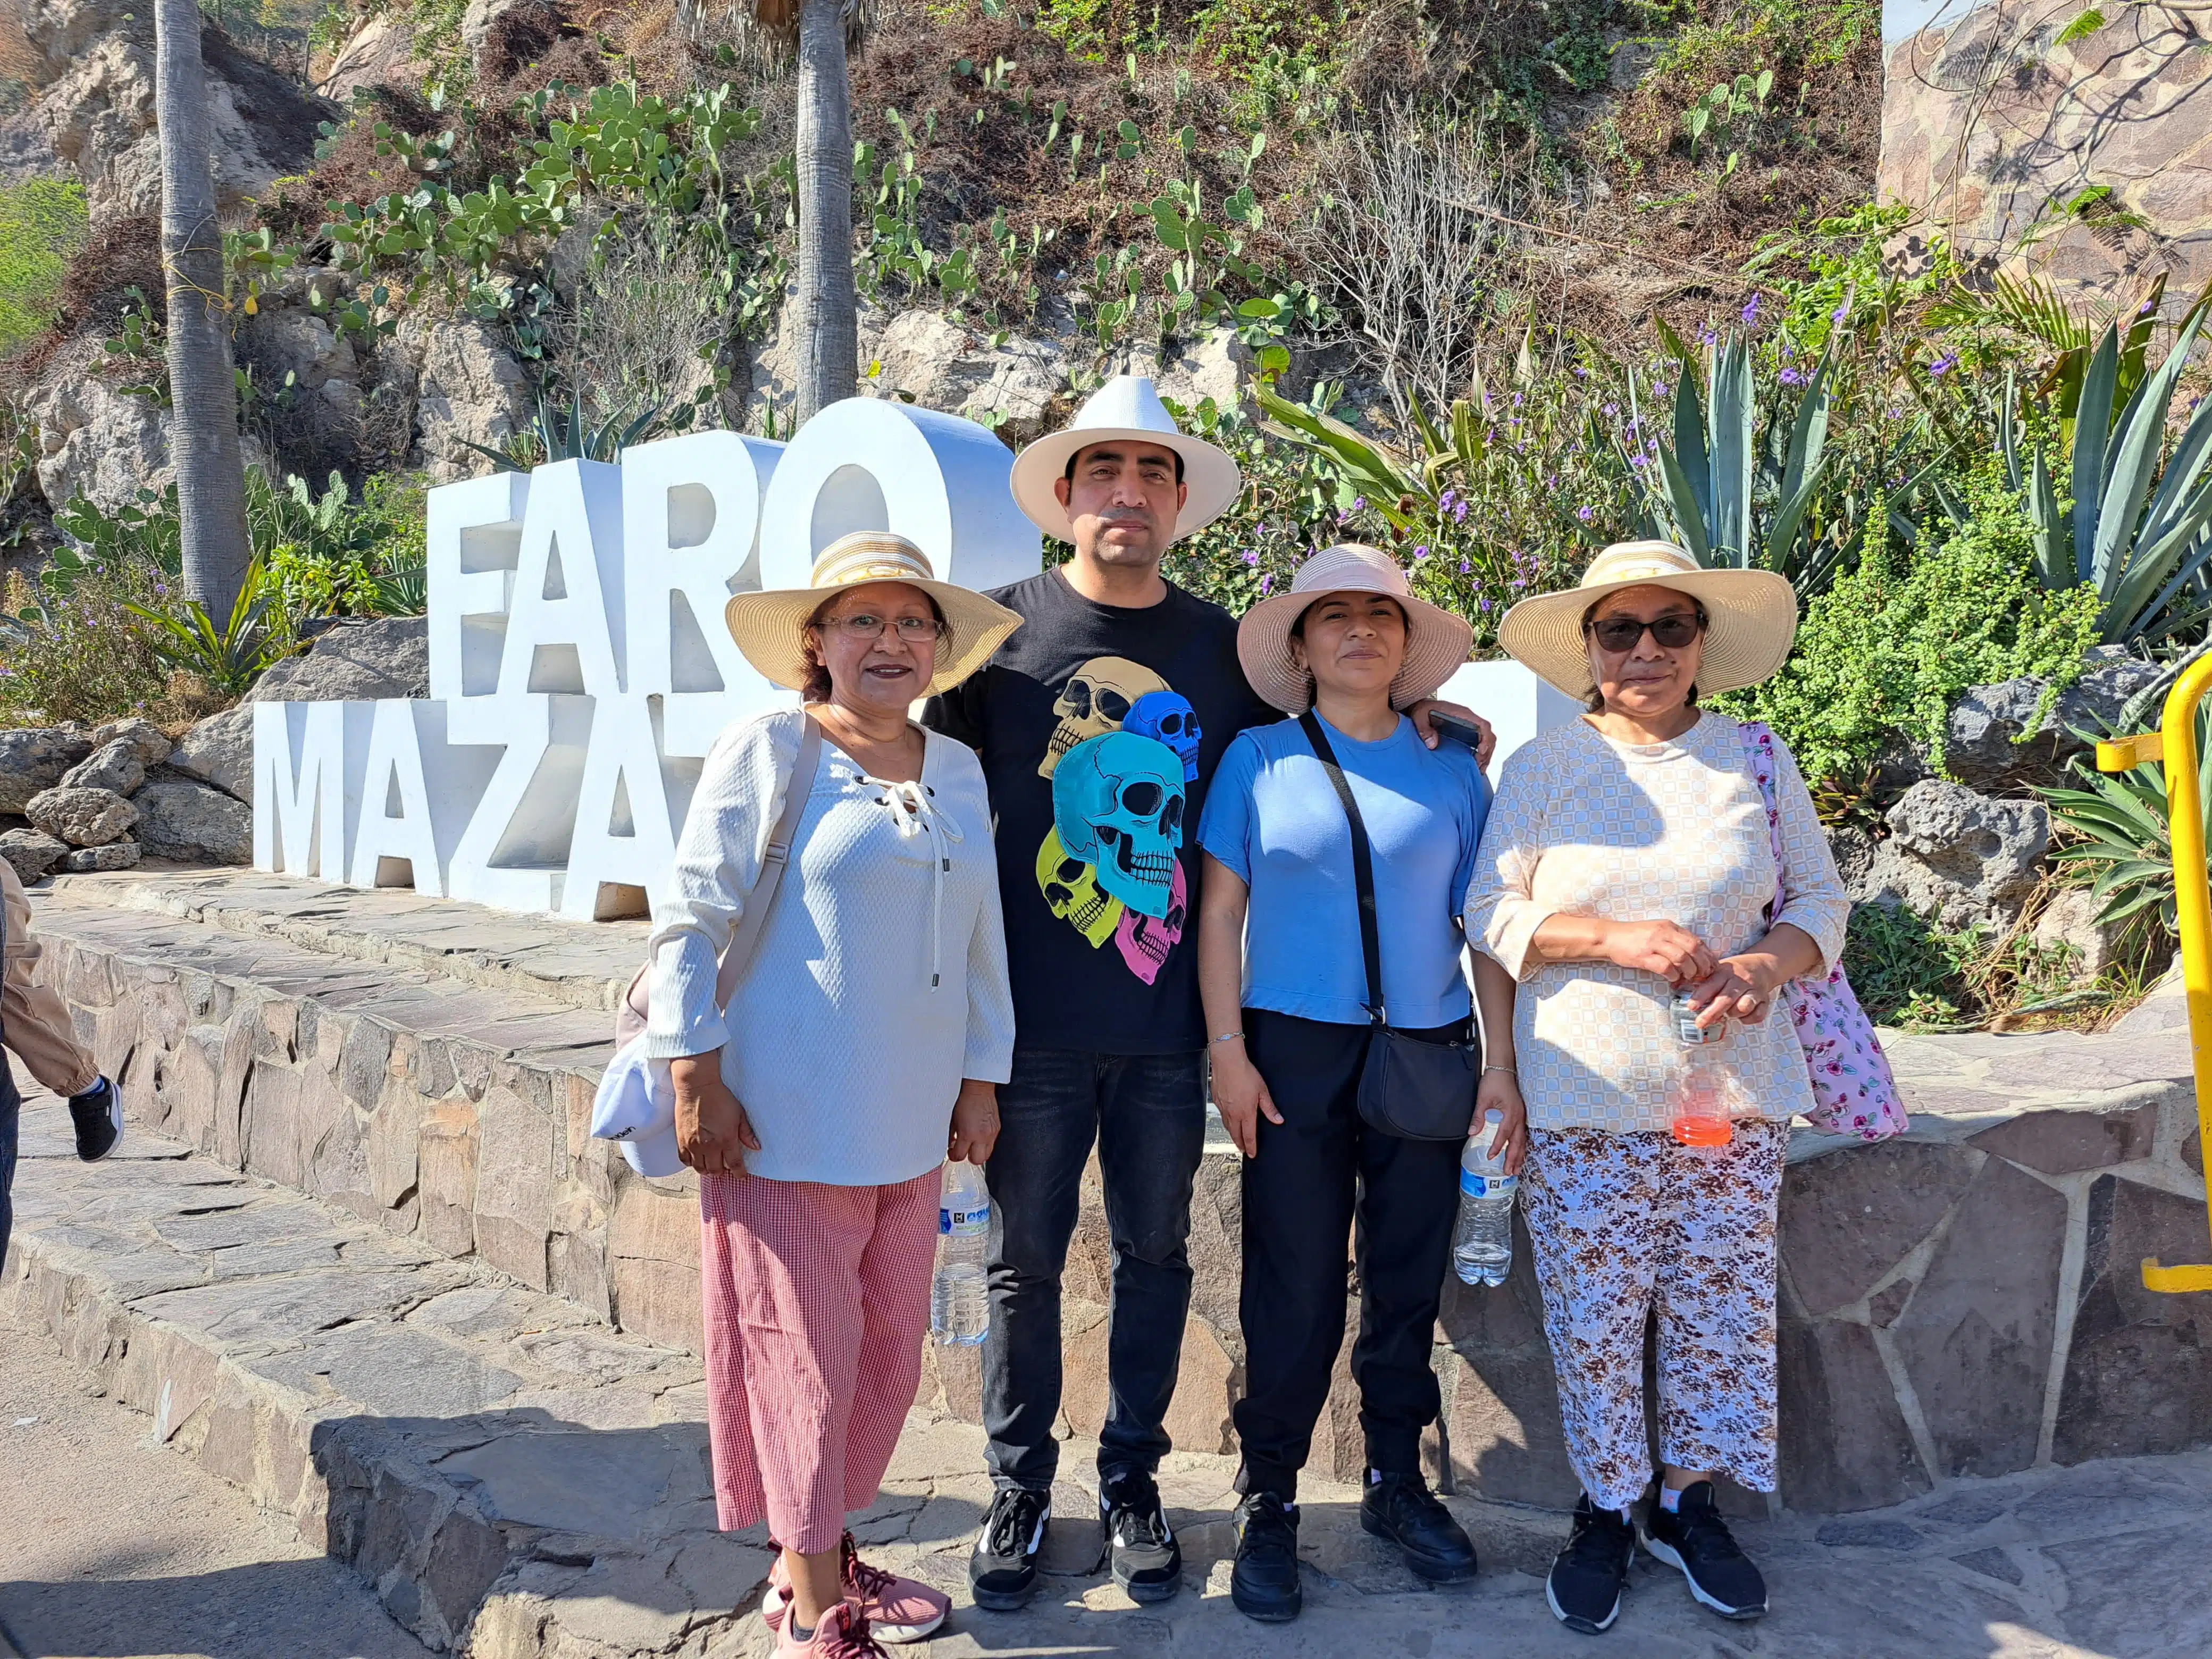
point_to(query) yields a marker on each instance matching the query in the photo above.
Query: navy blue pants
(1147, 1114)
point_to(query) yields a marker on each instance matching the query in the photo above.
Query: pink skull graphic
(1144, 941)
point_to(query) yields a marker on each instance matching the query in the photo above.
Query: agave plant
(2139, 527)
(2119, 829)
(1739, 495)
(228, 655)
(566, 435)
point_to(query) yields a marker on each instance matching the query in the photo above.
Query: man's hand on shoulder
(1427, 706)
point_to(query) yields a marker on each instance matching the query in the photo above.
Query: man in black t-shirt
(1099, 723)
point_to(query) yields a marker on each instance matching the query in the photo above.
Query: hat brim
(1437, 647)
(1211, 476)
(1751, 622)
(769, 628)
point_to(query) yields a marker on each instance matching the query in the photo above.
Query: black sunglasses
(1617, 634)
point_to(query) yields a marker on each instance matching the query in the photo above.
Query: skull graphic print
(1070, 887)
(1144, 941)
(1096, 700)
(1117, 803)
(1168, 716)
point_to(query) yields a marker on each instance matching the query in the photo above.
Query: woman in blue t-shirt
(1283, 976)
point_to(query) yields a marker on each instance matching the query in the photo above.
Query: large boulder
(379, 53)
(114, 766)
(193, 823)
(1958, 857)
(353, 662)
(468, 388)
(34, 758)
(95, 62)
(2008, 738)
(32, 852)
(82, 818)
(220, 750)
(94, 439)
(940, 362)
(1217, 365)
(145, 738)
(2070, 919)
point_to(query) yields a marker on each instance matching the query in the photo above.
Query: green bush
(81, 655)
(41, 222)
(1889, 648)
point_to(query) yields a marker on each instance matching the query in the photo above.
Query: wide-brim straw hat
(1751, 617)
(770, 626)
(1127, 406)
(1437, 641)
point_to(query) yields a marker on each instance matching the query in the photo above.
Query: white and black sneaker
(1695, 1539)
(1147, 1562)
(98, 1115)
(1588, 1576)
(1002, 1573)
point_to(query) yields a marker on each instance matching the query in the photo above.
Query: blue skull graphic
(1168, 716)
(1117, 801)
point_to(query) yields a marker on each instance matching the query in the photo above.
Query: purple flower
(1658, 388)
(1584, 515)
(1792, 377)
(1462, 571)
(1943, 364)
(1267, 582)
(1751, 312)
(1251, 555)
(1637, 459)
(1842, 314)
(1459, 513)
(1421, 553)
(1706, 336)
(161, 589)
(1612, 410)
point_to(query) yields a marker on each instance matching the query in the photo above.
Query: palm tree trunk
(204, 432)
(828, 338)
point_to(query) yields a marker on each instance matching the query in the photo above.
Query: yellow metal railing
(2174, 743)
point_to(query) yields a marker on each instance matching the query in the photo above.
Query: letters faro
(580, 669)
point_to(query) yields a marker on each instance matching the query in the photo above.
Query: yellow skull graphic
(1071, 887)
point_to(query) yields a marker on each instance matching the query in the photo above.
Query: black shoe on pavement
(98, 1113)
(1147, 1561)
(1588, 1576)
(1695, 1539)
(1002, 1573)
(1402, 1509)
(1264, 1582)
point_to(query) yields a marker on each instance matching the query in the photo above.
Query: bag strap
(1758, 749)
(1362, 863)
(774, 861)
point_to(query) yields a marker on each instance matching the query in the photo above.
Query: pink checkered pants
(817, 1302)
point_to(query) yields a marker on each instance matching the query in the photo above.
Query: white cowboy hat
(1437, 641)
(770, 626)
(1127, 406)
(1751, 617)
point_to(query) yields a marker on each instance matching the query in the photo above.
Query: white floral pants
(1624, 1225)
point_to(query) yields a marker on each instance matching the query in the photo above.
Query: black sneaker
(1695, 1539)
(1264, 1583)
(1003, 1571)
(1402, 1509)
(1147, 1561)
(1588, 1576)
(97, 1113)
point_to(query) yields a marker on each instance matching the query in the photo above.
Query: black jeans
(1316, 1171)
(1147, 1113)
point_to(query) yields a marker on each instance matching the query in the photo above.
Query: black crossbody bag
(1410, 1087)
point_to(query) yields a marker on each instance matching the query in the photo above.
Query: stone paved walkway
(478, 1451)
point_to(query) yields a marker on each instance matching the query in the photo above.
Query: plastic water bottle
(1482, 1245)
(1706, 1091)
(959, 1298)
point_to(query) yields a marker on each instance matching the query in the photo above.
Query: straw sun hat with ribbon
(1437, 641)
(1127, 407)
(1751, 617)
(770, 626)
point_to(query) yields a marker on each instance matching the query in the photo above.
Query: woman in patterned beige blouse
(1628, 858)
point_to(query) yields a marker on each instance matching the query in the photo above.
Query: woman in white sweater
(1629, 861)
(860, 1049)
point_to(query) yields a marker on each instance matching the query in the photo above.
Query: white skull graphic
(1097, 697)
(1117, 801)
(1071, 887)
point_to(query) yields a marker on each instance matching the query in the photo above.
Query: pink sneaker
(897, 1609)
(842, 1634)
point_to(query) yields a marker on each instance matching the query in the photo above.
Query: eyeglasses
(860, 626)
(1616, 636)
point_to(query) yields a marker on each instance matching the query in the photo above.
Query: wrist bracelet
(1226, 1036)
(1508, 1070)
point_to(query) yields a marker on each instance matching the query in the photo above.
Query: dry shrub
(90, 660)
(121, 253)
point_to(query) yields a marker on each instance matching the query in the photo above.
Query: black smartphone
(1465, 732)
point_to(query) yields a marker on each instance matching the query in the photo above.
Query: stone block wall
(1964, 1301)
(1992, 128)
